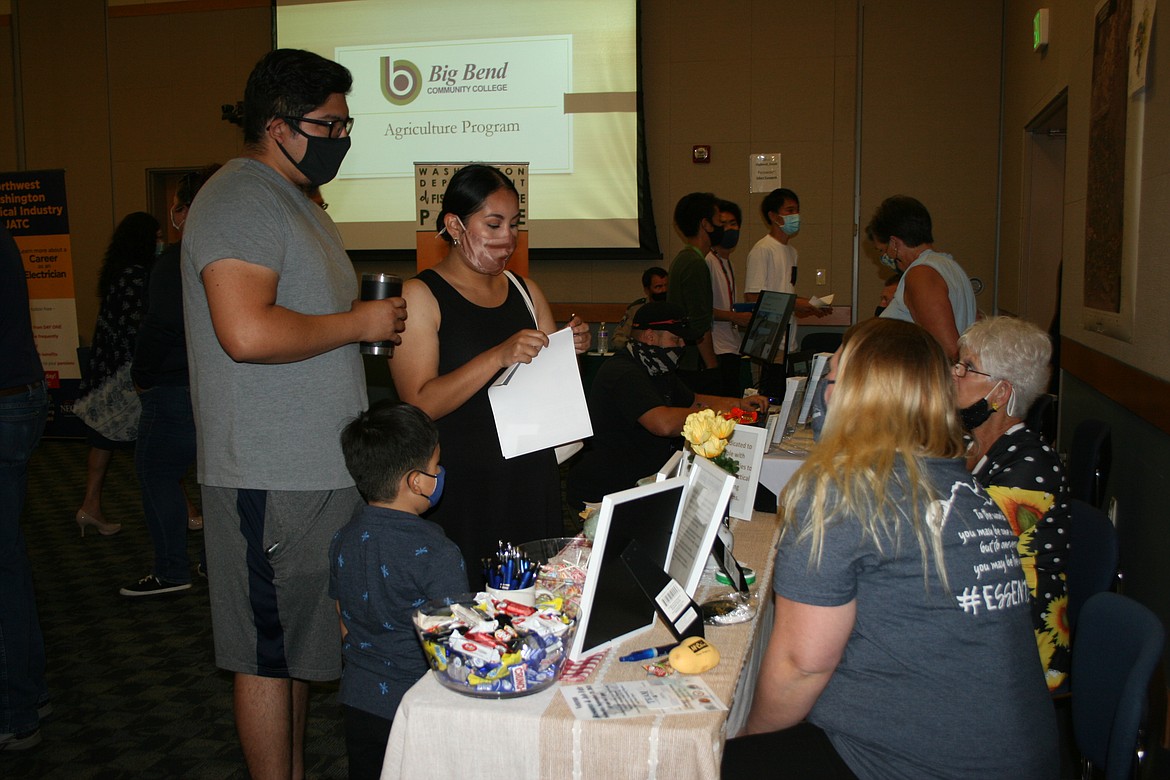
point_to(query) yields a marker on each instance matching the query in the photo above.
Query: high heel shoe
(105, 529)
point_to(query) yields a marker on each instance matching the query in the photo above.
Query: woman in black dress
(469, 321)
(122, 284)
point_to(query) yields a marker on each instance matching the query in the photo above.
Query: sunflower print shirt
(1025, 478)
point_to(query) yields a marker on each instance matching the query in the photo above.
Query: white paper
(541, 404)
(763, 172)
(821, 302)
(680, 694)
(773, 425)
(746, 445)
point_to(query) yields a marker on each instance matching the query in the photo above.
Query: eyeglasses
(336, 126)
(961, 370)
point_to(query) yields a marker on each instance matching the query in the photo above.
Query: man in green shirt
(696, 217)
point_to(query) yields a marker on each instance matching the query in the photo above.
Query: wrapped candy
(495, 648)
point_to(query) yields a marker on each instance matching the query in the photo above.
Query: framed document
(747, 446)
(709, 490)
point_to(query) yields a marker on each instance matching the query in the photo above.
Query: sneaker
(202, 570)
(44, 709)
(151, 585)
(24, 741)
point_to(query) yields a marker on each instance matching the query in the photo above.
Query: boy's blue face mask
(440, 479)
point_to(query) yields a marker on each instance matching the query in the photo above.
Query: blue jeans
(22, 648)
(165, 451)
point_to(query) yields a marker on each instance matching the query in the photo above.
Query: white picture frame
(674, 467)
(708, 492)
(746, 446)
(613, 605)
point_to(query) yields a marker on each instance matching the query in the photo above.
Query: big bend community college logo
(401, 81)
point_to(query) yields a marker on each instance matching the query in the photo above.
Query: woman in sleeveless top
(468, 322)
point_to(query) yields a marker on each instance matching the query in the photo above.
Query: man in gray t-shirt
(272, 326)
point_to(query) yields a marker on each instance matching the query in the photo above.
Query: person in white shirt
(771, 264)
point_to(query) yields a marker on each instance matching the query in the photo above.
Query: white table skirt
(445, 734)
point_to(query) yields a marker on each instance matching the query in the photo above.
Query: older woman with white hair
(1003, 366)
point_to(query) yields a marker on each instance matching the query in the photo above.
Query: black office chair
(821, 342)
(1041, 418)
(1089, 459)
(1092, 558)
(799, 363)
(1117, 648)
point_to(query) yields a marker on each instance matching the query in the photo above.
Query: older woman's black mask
(978, 413)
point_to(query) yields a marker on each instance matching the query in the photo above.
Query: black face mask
(877, 310)
(976, 414)
(716, 235)
(323, 157)
(658, 296)
(730, 239)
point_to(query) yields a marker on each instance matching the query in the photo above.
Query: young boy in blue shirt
(384, 564)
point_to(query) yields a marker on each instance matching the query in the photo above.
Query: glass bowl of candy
(495, 649)
(564, 563)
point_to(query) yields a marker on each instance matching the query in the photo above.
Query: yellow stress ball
(694, 656)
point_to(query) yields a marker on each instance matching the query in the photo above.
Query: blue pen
(649, 652)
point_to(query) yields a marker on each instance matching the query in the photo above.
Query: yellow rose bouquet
(707, 432)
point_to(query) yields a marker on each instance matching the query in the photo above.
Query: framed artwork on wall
(1113, 188)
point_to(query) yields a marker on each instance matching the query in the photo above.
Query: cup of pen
(510, 575)
(379, 287)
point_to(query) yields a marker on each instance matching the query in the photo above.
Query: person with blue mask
(934, 290)
(384, 563)
(726, 335)
(771, 263)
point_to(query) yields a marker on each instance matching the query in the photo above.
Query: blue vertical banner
(35, 211)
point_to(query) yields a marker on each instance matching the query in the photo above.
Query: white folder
(541, 404)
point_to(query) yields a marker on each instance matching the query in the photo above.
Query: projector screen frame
(648, 249)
